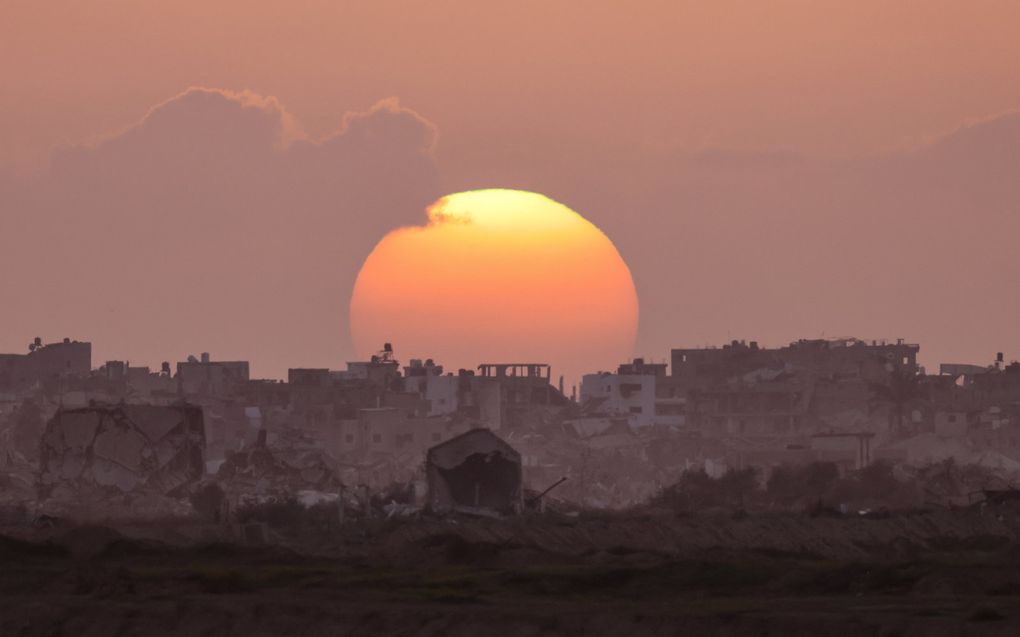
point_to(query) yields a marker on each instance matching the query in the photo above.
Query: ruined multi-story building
(802, 388)
(44, 363)
(206, 376)
(639, 391)
(517, 393)
(833, 359)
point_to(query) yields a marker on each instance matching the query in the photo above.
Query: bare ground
(924, 573)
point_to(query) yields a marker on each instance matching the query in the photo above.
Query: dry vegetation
(819, 487)
(735, 567)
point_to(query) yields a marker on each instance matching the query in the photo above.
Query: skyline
(961, 181)
(391, 354)
(535, 317)
(767, 173)
(818, 78)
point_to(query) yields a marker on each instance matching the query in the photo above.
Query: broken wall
(475, 469)
(123, 448)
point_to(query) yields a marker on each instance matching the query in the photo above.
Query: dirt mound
(851, 537)
(14, 548)
(945, 572)
(84, 542)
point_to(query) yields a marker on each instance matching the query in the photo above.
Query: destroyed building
(285, 470)
(522, 391)
(809, 386)
(427, 380)
(205, 376)
(121, 449)
(837, 358)
(45, 362)
(478, 470)
(633, 431)
(844, 401)
(391, 430)
(640, 392)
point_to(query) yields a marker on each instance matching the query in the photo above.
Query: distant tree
(696, 490)
(689, 493)
(876, 486)
(790, 483)
(946, 481)
(736, 485)
(877, 479)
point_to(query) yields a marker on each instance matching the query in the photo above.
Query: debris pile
(17, 477)
(265, 471)
(91, 455)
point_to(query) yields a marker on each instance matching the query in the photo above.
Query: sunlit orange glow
(498, 276)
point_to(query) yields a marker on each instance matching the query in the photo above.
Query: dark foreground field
(925, 573)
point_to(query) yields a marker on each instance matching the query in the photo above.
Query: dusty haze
(769, 173)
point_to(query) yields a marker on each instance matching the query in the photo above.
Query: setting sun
(505, 275)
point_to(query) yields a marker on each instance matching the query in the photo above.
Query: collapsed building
(640, 392)
(843, 401)
(741, 389)
(806, 387)
(45, 363)
(475, 470)
(284, 471)
(109, 449)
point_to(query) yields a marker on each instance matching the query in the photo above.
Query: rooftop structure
(206, 376)
(838, 358)
(419, 368)
(640, 368)
(45, 362)
(640, 392)
(515, 370)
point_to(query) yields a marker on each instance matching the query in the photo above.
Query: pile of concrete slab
(95, 453)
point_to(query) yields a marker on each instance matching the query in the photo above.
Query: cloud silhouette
(777, 246)
(213, 223)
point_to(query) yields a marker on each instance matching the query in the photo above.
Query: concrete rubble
(366, 434)
(90, 455)
(264, 471)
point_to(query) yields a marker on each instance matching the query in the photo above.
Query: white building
(427, 379)
(639, 391)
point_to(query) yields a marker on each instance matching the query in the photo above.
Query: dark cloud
(778, 246)
(213, 223)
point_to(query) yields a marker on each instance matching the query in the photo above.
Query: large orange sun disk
(498, 276)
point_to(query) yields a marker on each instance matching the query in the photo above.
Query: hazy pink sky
(768, 170)
(832, 77)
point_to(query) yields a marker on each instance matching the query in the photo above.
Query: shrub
(789, 483)
(697, 490)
